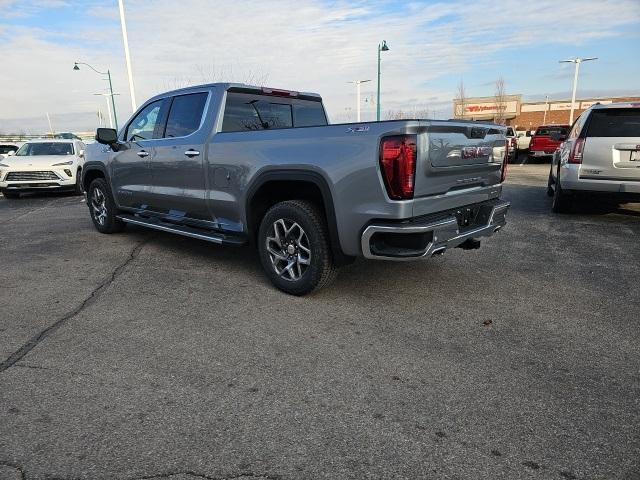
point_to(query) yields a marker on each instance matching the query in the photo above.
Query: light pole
(577, 61)
(358, 83)
(125, 39)
(108, 74)
(382, 47)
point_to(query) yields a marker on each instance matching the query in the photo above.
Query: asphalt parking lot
(145, 355)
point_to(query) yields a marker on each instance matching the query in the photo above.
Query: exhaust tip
(439, 251)
(497, 229)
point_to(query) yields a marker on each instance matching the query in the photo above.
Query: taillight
(575, 156)
(505, 162)
(398, 165)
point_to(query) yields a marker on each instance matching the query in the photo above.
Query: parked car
(232, 164)
(43, 165)
(524, 138)
(7, 149)
(600, 156)
(513, 144)
(546, 140)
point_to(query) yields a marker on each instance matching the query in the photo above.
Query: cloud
(310, 45)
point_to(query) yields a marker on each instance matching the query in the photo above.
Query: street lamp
(382, 47)
(108, 74)
(577, 61)
(358, 83)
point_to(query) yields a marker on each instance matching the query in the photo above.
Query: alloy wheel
(289, 249)
(99, 206)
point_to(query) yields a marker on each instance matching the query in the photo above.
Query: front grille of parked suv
(30, 176)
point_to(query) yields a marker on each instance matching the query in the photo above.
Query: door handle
(192, 153)
(143, 154)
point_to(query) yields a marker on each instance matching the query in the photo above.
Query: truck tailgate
(455, 157)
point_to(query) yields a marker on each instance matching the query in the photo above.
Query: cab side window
(185, 115)
(142, 127)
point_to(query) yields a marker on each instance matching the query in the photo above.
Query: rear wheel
(103, 208)
(562, 201)
(293, 242)
(550, 182)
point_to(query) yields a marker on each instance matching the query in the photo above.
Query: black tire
(11, 195)
(103, 212)
(562, 201)
(78, 190)
(550, 182)
(287, 248)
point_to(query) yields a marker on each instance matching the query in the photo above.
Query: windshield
(45, 148)
(510, 132)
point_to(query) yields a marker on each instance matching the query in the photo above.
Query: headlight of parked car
(70, 162)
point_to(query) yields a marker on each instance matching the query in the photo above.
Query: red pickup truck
(542, 145)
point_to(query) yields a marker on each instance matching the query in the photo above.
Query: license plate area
(472, 216)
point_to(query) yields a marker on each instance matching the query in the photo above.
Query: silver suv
(601, 155)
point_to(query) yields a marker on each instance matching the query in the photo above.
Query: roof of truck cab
(227, 86)
(598, 106)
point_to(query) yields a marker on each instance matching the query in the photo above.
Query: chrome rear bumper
(437, 235)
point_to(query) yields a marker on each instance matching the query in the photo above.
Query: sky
(308, 45)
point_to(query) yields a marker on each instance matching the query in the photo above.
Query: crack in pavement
(39, 337)
(239, 476)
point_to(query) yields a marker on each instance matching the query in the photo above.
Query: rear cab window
(245, 112)
(547, 131)
(614, 122)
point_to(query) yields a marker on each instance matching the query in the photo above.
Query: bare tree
(212, 73)
(501, 102)
(415, 113)
(460, 103)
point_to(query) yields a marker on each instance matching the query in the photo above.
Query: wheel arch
(90, 172)
(274, 186)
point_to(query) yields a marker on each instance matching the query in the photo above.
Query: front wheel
(11, 195)
(103, 208)
(293, 242)
(77, 189)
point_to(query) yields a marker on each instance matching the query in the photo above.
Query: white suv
(600, 156)
(42, 165)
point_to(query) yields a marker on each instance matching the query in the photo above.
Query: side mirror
(81, 153)
(11, 152)
(107, 136)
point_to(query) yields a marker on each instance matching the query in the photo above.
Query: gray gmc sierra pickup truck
(231, 164)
